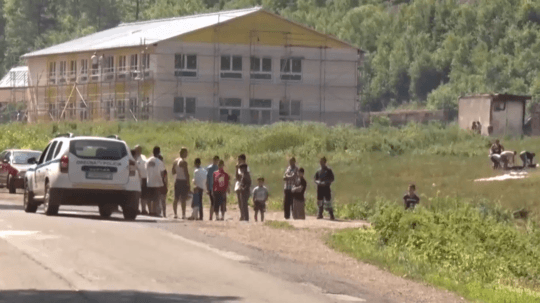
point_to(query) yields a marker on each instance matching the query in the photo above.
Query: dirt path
(305, 244)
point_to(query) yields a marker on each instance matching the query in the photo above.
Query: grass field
(487, 256)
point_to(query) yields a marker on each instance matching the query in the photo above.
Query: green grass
(279, 225)
(474, 249)
(372, 167)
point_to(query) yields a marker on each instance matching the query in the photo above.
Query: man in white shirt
(199, 185)
(140, 159)
(507, 159)
(156, 175)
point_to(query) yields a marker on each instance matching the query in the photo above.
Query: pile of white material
(510, 176)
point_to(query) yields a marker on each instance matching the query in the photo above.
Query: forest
(418, 53)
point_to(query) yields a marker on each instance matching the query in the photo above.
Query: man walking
(181, 185)
(220, 190)
(199, 184)
(210, 182)
(324, 178)
(156, 178)
(140, 160)
(289, 177)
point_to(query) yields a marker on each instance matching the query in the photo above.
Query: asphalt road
(78, 257)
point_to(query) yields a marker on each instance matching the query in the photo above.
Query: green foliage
(279, 225)
(471, 248)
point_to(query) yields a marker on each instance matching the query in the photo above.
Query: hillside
(422, 51)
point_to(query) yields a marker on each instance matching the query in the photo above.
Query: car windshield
(97, 149)
(22, 157)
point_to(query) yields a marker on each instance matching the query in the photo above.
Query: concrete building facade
(248, 66)
(498, 114)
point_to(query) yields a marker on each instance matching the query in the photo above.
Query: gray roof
(16, 77)
(137, 33)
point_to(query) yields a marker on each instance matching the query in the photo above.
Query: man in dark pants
(527, 159)
(210, 183)
(241, 160)
(245, 191)
(290, 176)
(324, 178)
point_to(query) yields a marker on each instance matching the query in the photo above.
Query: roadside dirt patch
(306, 244)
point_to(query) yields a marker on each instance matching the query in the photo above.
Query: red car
(13, 166)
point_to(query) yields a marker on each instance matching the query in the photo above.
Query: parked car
(13, 166)
(84, 171)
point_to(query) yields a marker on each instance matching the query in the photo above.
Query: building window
(289, 110)
(145, 61)
(229, 109)
(260, 111)
(63, 68)
(109, 64)
(185, 65)
(72, 68)
(84, 66)
(184, 105)
(134, 62)
(499, 106)
(291, 69)
(261, 68)
(231, 67)
(122, 60)
(52, 69)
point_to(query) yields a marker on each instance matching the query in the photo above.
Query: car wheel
(30, 206)
(106, 210)
(10, 185)
(130, 207)
(50, 208)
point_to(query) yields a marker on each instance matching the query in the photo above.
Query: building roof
(149, 32)
(143, 32)
(499, 97)
(16, 77)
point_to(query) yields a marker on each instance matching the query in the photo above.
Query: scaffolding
(122, 87)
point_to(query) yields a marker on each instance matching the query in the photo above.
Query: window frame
(122, 64)
(184, 70)
(84, 66)
(72, 68)
(184, 102)
(289, 115)
(259, 109)
(290, 75)
(132, 66)
(62, 71)
(145, 62)
(231, 73)
(229, 108)
(52, 69)
(260, 74)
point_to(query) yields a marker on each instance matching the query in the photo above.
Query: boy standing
(411, 199)
(298, 196)
(163, 193)
(324, 178)
(220, 190)
(241, 160)
(210, 182)
(199, 184)
(245, 190)
(260, 195)
(181, 185)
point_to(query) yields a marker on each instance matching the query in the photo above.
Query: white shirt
(154, 168)
(141, 166)
(199, 178)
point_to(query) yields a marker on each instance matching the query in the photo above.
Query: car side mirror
(31, 160)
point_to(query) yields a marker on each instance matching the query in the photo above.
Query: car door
(39, 175)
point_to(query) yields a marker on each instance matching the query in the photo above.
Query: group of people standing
(505, 159)
(215, 182)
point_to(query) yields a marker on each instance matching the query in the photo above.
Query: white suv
(84, 171)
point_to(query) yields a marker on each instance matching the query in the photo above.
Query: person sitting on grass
(260, 196)
(411, 199)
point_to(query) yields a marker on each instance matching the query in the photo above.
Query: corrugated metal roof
(16, 77)
(134, 34)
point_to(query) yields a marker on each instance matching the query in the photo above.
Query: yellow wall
(267, 30)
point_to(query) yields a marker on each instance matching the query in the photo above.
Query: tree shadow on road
(46, 296)
(11, 207)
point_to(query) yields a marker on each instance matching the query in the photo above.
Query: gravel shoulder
(305, 244)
